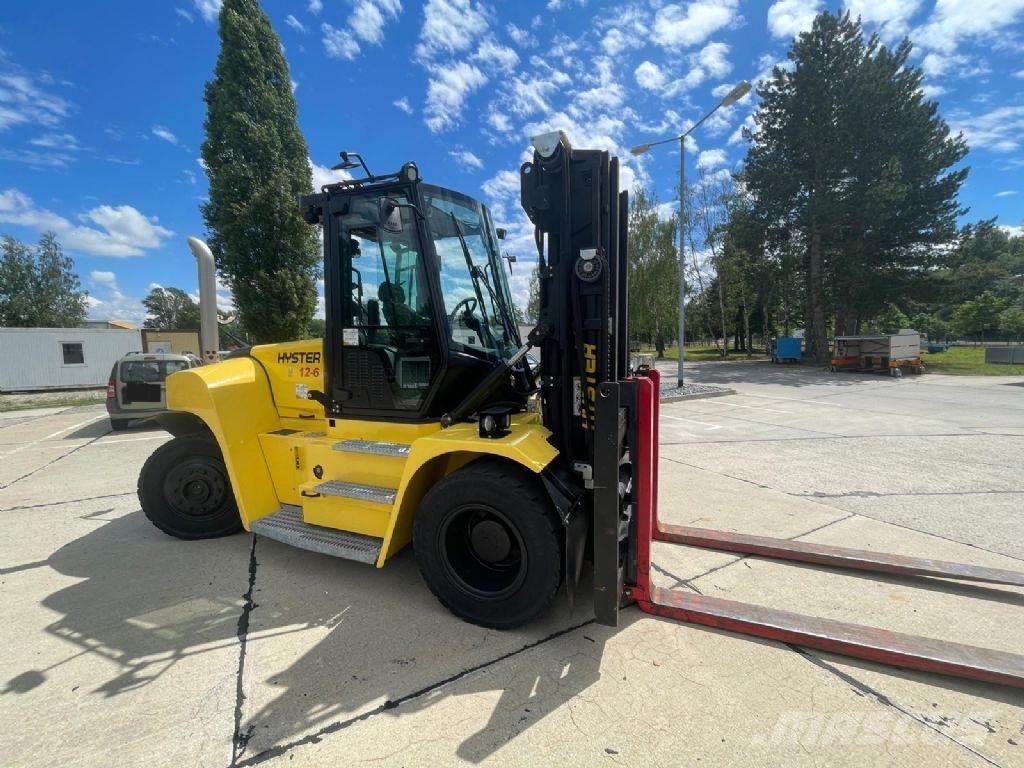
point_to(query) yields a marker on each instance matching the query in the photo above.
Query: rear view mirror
(390, 215)
(501, 232)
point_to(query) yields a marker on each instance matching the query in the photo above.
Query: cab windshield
(475, 288)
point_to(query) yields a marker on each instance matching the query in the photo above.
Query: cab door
(384, 355)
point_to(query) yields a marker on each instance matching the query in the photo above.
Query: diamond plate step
(286, 525)
(358, 491)
(376, 447)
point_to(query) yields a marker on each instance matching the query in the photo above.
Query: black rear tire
(119, 424)
(184, 490)
(489, 544)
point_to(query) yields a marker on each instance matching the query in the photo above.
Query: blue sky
(101, 105)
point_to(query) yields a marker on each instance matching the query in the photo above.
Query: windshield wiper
(472, 270)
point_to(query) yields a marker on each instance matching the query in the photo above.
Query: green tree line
(843, 215)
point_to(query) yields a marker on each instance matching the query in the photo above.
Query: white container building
(61, 358)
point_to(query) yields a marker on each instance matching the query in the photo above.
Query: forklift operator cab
(420, 308)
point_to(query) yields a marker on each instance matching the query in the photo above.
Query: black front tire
(184, 490)
(489, 544)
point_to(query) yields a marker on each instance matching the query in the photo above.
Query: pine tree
(853, 168)
(257, 163)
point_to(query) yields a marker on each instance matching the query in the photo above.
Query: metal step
(358, 491)
(287, 526)
(376, 447)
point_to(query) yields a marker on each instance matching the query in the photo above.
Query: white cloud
(323, 175)
(338, 44)
(369, 16)
(498, 120)
(450, 26)
(713, 57)
(1017, 231)
(650, 76)
(711, 158)
(100, 277)
(295, 24)
(891, 16)
(521, 37)
(447, 91)
(22, 102)
(1006, 193)
(63, 141)
(403, 104)
(120, 230)
(467, 159)
(315, 6)
(932, 91)
(496, 57)
(184, 14)
(953, 20)
(677, 26)
(208, 9)
(788, 18)
(502, 185)
(164, 133)
(999, 130)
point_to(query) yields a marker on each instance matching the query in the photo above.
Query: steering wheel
(470, 303)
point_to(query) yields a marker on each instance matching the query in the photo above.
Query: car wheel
(119, 425)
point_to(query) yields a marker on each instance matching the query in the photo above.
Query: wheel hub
(482, 552)
(196, 488)
(490, 541)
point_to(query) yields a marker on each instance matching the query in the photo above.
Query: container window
(72, 352)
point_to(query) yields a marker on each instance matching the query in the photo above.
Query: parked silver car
(137, 387)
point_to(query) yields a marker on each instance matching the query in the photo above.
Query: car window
(150, 371)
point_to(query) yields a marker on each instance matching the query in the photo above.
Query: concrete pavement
(122, 645)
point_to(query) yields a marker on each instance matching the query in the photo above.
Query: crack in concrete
(339, 725)
(880, 494)
(240, 739)
(885, 701)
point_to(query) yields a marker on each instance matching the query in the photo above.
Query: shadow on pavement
(328, 642)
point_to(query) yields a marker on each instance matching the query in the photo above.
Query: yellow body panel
(276, 442)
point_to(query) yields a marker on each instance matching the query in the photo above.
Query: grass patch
(967, 361)
(701, 354)
(48, 400)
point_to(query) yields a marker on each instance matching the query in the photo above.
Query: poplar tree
(257, 163)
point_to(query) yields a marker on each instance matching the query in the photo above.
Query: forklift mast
(572, 197)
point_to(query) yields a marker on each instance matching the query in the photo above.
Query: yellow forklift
(419, 419)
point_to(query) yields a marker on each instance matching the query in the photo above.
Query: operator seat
(396, 311)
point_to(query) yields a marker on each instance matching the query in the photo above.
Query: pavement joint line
(824, 502)
(240, 740)
(66, 501)
(54, 461)
(863, 688)
(339, 725)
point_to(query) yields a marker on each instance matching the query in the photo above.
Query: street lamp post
(732, 97)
